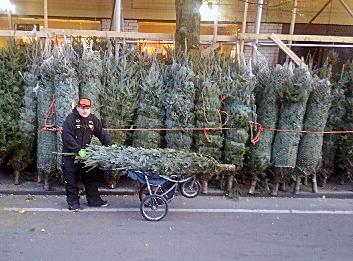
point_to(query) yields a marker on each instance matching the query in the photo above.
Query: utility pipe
(117, 15)
(45, 14)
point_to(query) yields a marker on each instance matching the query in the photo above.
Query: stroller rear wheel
(190, 188)
(153, 207)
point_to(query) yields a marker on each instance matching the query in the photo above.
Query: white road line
(197, 210)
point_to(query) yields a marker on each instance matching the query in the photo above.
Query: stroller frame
(156, 191)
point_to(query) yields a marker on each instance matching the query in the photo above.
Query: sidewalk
(126, 186)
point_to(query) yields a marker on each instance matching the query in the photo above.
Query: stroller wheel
(190, 188)
(153, 207)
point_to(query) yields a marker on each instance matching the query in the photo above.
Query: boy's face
(84, 111)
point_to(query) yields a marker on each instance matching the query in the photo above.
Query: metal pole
(117, 22)
(45, 14)
(117, 15)
(215, 26)
(9, 19)
(292, 23)
(258, 23)
(243, 27)
(258, 17)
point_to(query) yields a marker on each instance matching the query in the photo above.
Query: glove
(83, 153)
(114, 146)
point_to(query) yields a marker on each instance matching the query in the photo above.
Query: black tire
(153, 207)
(143, 191)
(190, 188)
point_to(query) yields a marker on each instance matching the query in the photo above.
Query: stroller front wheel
(154, 207)
(190, 188)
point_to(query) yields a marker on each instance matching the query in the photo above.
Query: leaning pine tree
(119, 100)
(238, 105)
(150, 114)
(310, 146)
(46, 141)
(179, 105)
(11, 89)
(334, 123)
(208, 107)
(66, 87)
(294, 96)
(90, 72)
(267, 110)
(345, 148)
(28, 116)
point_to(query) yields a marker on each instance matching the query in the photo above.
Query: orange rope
(50, 114)
(261, 128)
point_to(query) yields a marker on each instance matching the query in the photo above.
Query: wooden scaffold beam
(285, 49)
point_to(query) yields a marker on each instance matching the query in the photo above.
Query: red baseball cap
(84, 103)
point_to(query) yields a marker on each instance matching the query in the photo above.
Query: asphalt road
(205, 228)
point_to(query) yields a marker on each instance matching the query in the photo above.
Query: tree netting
(161, 161)
(90, 73)
(150, 114)
(66, 85)
(310, 146)
(269, 81)
(294, 96)
(208, 106)
(119, 100)
(179, 105)
(46, 142)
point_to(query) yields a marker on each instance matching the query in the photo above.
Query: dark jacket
(77, 132)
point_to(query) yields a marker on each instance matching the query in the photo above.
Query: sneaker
(74, 208)
(102, 203)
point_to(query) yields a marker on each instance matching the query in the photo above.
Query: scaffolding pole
(258, 23)
(243, 26)
(45, 14)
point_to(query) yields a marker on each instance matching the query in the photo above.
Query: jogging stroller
(156, 191)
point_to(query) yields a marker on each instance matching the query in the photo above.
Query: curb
(330, 194)
(218, 193)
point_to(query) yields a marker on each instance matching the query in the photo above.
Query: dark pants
(72, 171)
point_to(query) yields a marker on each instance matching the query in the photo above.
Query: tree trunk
(17, 177)
(187, 25)
(314, 183)
(252, 186)
(297, 185)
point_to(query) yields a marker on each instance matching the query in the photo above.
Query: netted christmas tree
(47, 140)
(179, 104)
(90, 72)
(66, 85)
(12, 63)
(310, 146)
(28, 115)
(161, 161)
(237, 89)
(119, 100)
(294, 96)
(150, 114)
(208, 106)
(269, 81)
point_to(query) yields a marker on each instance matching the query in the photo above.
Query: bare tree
(187, 24)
